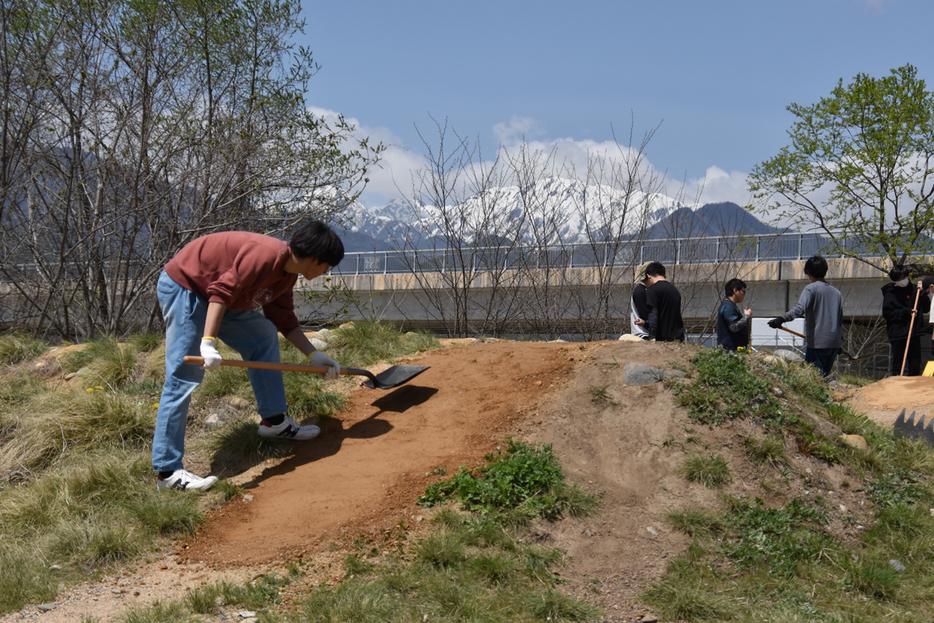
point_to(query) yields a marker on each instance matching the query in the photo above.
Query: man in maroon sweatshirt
(211, 290)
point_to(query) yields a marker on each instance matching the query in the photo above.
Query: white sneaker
(289, 429)
(185, 481)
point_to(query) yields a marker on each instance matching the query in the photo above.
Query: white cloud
(562, 155)
(393, 176)
(717, 186)
(517, 130)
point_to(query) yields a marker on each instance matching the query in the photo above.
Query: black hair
(655, 269)
(816, 266)
(734, 284)
(316, 240)
(898, 272)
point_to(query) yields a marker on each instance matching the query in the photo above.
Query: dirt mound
(370, 464)
(362, 476)
(884, 400)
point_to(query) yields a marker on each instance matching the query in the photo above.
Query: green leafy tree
(859, 169)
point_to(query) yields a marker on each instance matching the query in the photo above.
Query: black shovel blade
(396, 375)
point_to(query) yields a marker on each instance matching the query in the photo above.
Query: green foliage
(146, 342)
(25, 578)
(554, 606)
(695, 521)
(306, 396)
(896, 487)
(159, 612)
(88, 512)
(71, 421)
(870, 144)
(770, 450)
(526, 480)
(724, 389)
(599, 394)
(17, 346)
(367, 342)
(874, 577)
(238, 440)
(676, 600)
(778, 538)
(18, 388)
(711, 471)
(801, 379)
(469, 568)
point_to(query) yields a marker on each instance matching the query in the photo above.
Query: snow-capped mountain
(553, 210)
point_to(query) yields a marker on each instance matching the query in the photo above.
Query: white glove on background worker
(320, 359)
(212, 358)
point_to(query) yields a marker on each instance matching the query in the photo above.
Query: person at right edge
(821, 306)
(898, 309)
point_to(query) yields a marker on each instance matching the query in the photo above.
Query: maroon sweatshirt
(242, 270)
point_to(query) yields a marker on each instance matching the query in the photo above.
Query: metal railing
(668, 251)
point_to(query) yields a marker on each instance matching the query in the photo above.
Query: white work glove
(320, 359)
(212, 358)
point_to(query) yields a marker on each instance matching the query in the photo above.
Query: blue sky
(717, 76)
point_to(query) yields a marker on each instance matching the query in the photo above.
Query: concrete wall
(773, 288)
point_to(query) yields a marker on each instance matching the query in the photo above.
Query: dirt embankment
(361, 477)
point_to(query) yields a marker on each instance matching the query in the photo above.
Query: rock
(318, 343)
(649, 618)
(643, 374)
(350, 325)
(324, 335)
(854, 441)
(651, 530)
(629, 337)
(46, 607)
(217, 418)
(239, 403)
(247, 614)
(788, 355)
(897, 565)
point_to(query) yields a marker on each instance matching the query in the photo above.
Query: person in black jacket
(664, 322)
(898, 309)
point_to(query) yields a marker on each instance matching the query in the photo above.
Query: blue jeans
(246, 331)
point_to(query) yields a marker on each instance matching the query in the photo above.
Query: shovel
(914, 429)
(387, 379)
(842, 352)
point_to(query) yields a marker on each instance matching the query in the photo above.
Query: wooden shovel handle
(801, 335)
(270, 365)
(914, 312)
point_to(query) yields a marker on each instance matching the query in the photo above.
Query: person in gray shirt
(821, 306)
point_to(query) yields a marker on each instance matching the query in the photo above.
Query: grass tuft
(711, 471)
(18, 347)
(367, 342)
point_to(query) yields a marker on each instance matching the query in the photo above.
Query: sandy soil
(360, 478)
(883, 401)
